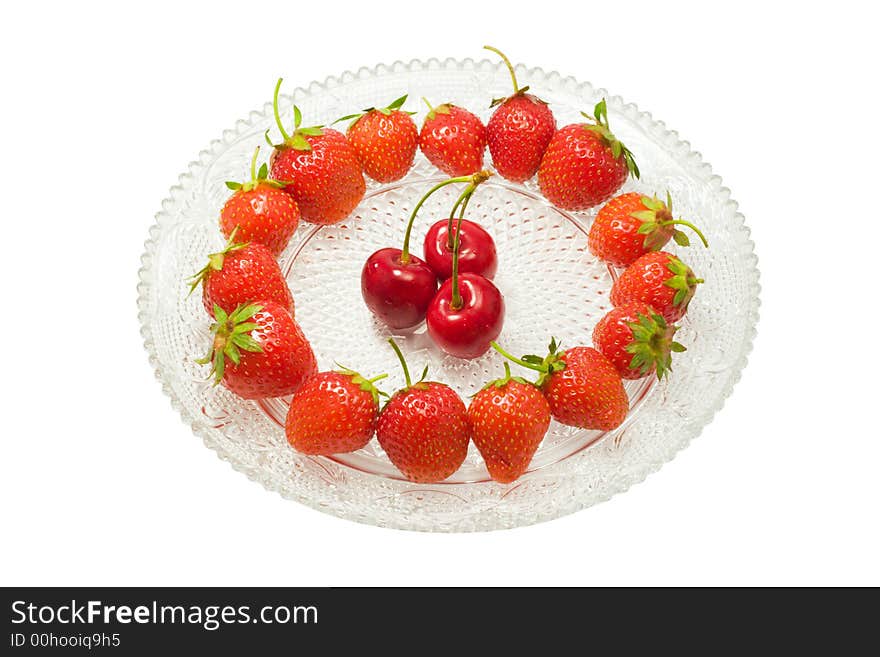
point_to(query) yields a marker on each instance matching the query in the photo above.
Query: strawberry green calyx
(545, 366)
(257, 177)
(601, 128)
(683, 281)
(517, 90)
(658, 224)
(400, 357)
(652, 345)
(365, 384)
(507, 378)
(434, 111)
(232, 334)
(394, 106)
(215, 260)
(297, 139)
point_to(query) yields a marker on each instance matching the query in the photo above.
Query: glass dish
(552, 286)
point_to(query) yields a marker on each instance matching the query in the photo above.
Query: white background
(103, 106)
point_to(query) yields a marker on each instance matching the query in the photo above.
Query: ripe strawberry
(267, 353)
(659, 279)
(424, 429)
(631, 225)
(636, 340)
(239, 274)
(261, 210)
(582, 388)
(508, 420)
(333, 413)
(453, 139)
(385, 140)
(585, 164)
(319, 168)
(519, 130)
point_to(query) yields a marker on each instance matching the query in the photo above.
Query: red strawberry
(631, 225)
(585, 164)
(424, 429)
(239, 274)
(333, 413)
(261, 210)
(259, 351)
(659, 279)
(508, 420)
(319, 168)
(453, 139)
(636, 340)
(581, 386)
(385, 140)
(519, 130)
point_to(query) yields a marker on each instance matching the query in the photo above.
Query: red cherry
(397, 292)
(466, 329)
(477, 253)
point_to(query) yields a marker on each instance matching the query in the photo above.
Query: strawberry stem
(377, 378)
(402, 361)
(284, 135)
(430, 106)
(404, 256)
(254, 165)
(682, 222)
(519, 361)
(509, 66)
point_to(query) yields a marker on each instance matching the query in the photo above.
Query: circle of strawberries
(316, 174)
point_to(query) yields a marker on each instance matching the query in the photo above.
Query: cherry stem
(450, 242)
(404, 256)
(514, 359)
(455, 303)
(476, 180)
(402, 361)
(284, 134)
(509, 66)
(682, 222)
(254, 165)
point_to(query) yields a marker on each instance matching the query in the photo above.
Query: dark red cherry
(466, 328)
(477, 255)
(397, 292)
